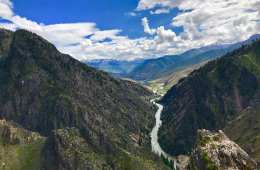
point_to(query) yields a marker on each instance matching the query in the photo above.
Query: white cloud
(107, 34)
(72, 38)
(146, 26)
(160, 11)
(5, 9)
(132, 14)
(205, 22)
(151, 4)
(85, 41)
(166, 35)
(218, 21)
(161, 34)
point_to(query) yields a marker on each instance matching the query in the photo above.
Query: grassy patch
(210, 165)
(250, 62)
(30, 155)
(21, 157)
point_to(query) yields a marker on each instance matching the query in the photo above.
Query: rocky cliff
(215, 151)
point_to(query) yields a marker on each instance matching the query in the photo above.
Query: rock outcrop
(215, 151)
(12, 134)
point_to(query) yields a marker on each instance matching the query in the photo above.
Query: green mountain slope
(43, 90)
(245, 129)
(162, 67)
(210, 98)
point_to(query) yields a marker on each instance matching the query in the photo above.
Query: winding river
(156, 148)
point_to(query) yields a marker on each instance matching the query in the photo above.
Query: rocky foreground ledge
(215, 151)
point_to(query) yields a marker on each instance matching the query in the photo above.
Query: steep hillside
(44, 90)
(210, 98)
(245, 129)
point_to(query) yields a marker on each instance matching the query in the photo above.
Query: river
(156, 148)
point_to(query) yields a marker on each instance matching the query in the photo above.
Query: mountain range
(62, 114)
(153, 69)
(57, 113)
(115, 67)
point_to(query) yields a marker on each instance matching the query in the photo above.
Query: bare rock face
(215, 151)
(12, 134)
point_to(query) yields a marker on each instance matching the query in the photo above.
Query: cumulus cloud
(166, 35)
(162, 35)
(205, 22)
(218, 21)
(151, 4)
(6, 9)
(83, 41)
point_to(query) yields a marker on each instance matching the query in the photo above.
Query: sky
(133, 29)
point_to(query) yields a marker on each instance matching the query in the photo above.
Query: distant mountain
(162, 67)
(116, 67)
(84, 118)
(224, 94)
(153, 69)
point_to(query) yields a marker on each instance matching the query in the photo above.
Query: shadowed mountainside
(48, 92)
(211, 98)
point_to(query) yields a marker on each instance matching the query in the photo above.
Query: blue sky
(132, 29)
(107, 14)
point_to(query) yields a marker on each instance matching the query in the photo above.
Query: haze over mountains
(152, 69)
